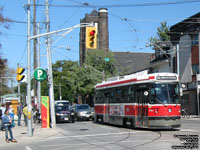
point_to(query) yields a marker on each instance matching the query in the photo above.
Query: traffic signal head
(91, 38)
(19, 72)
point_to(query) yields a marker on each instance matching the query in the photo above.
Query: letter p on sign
(40, 74)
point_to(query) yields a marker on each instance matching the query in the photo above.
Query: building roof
(129, 62)
(187, 26)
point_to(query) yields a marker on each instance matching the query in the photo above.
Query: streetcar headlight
(169, 110)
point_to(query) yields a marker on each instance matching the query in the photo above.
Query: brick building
(100, 19)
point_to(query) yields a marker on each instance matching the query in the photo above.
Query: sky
(131, 24)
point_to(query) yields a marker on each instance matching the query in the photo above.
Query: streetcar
(139, 100)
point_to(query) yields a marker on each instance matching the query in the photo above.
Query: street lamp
(164, 52)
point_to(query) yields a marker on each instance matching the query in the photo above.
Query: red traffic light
(92, 33)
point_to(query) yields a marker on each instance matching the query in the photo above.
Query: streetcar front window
(165, 93)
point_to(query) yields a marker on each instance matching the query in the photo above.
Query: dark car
(64, 113)
(83, 112)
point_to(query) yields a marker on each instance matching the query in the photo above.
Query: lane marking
(27, 148)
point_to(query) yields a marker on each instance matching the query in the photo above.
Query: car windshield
(82, 107)
(165, 93)
(64, 103)
(61, 108)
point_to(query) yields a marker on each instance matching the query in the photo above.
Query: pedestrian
(25, 112)
(19, 113)
(8, 125)
(2, 110)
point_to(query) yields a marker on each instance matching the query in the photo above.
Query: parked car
(83, 112)
(64, 102)
(64, 113)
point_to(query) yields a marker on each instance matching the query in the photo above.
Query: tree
(161, 33)
(4, 21)
(97, 59)
(3, 62)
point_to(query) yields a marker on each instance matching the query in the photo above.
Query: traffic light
(91, 37)
(19, 72)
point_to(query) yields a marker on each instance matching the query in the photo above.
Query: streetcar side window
(124, 96)
(118, 96)
(99, 97)
(131, 94)
(112, 96)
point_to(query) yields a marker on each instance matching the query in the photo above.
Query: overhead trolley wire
(128, 5)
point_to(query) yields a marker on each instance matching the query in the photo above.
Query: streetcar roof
(139, 77)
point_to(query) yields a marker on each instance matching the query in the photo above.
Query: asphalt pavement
(21, 135)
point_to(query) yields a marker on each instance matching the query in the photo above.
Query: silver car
(83, 112)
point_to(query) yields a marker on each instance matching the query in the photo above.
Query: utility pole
(198, 105)
(38, 66)
(50, 74)
(19, 93)
(29, 107)
(178, 61)
(60, 91)
(34, 48)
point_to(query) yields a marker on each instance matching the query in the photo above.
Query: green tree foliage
(96, 59)
(80, 81)
(3, 62)
(161, 33)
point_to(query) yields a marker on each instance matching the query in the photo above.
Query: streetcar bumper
(164, 122)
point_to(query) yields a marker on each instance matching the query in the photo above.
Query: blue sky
(130, 35)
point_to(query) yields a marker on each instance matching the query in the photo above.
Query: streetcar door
(107, 111)
(142, 109)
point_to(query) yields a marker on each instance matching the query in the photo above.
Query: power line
(86, 5)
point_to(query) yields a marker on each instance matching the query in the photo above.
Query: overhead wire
(130, 5)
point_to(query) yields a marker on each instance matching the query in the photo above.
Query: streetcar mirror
(146, 93)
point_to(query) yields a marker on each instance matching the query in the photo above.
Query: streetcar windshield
(165, 94)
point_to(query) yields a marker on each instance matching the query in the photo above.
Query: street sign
(40, 74)
(106, 59)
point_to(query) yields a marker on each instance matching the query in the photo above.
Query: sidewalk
(192, 117)
(21, 135)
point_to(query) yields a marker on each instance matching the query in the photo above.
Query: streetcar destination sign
(166, 78)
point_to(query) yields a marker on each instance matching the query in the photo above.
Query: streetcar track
(103, 146)
(160, 135)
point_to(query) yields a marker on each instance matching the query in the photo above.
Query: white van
(63, 102)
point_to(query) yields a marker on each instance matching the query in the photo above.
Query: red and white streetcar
(139, 100)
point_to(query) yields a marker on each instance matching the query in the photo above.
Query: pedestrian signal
(19, 72)
(91, 38)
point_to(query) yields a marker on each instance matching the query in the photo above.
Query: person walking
(25, 112)
(19, 113)
(7, 123)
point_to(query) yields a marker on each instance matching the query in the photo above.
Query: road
(86, 135)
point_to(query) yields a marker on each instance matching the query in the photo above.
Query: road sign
(106, 59)
(40, 74)
(19, 72)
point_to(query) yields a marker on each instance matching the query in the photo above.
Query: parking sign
(40, 74)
